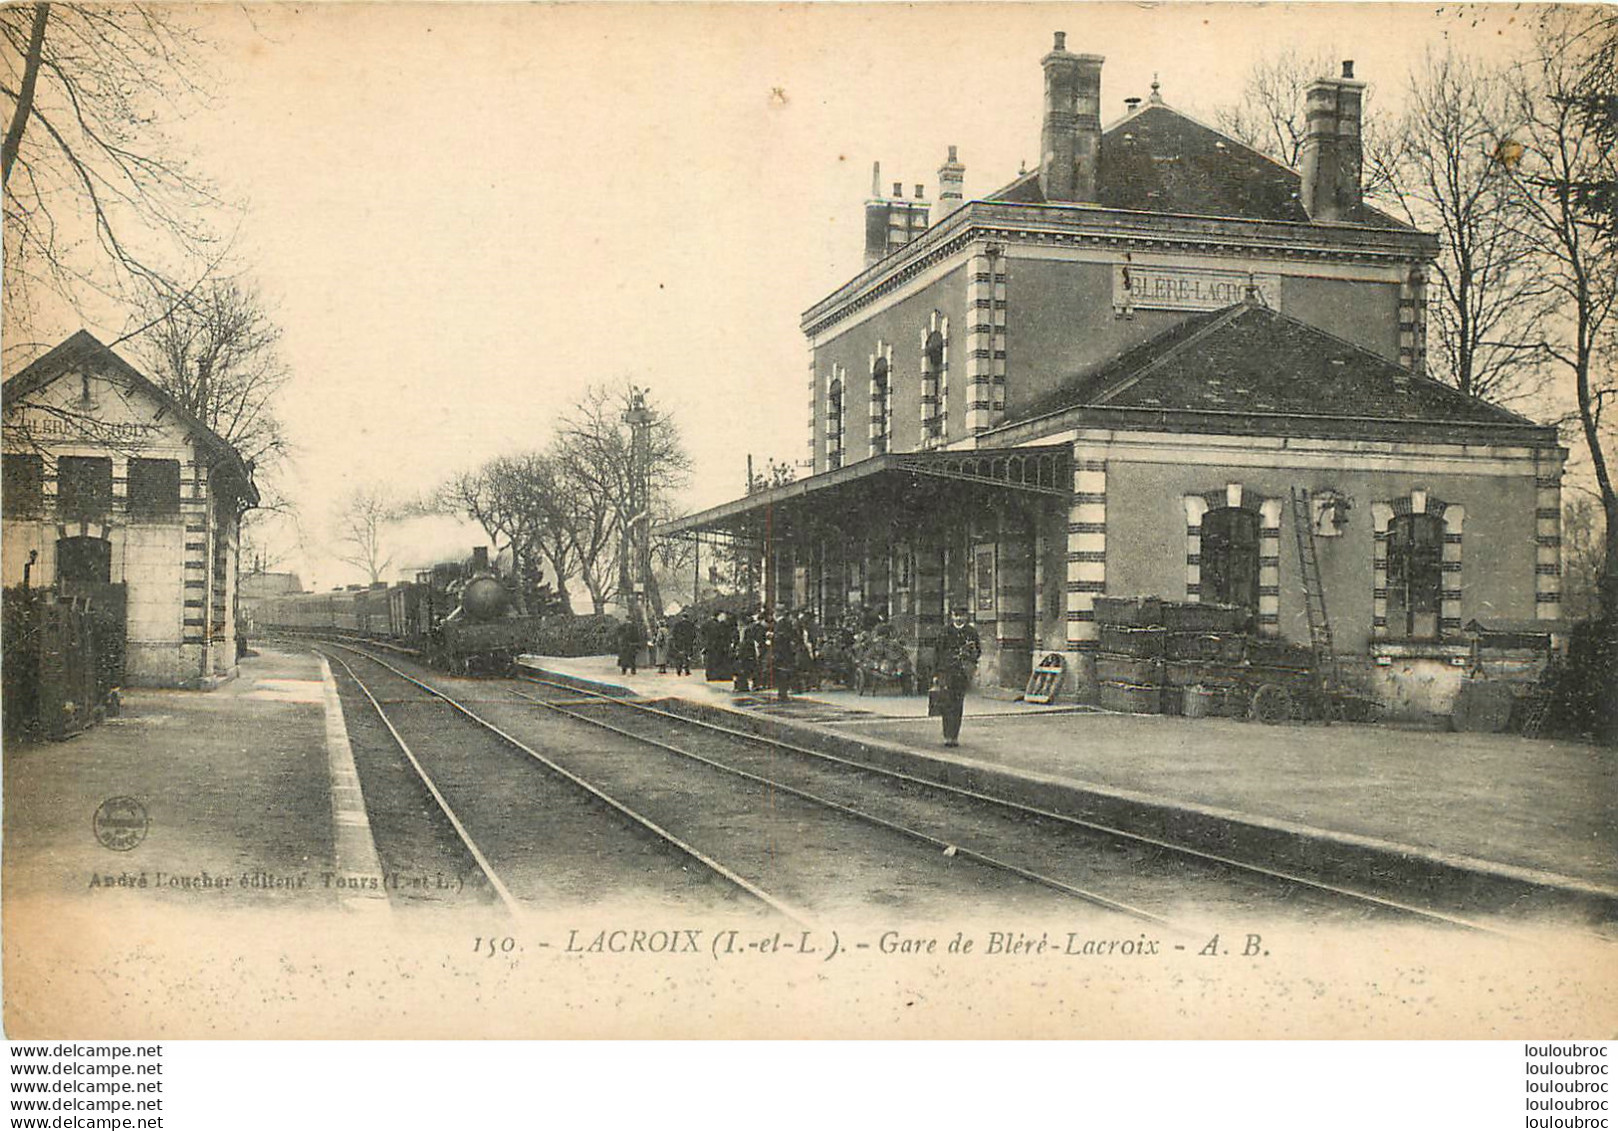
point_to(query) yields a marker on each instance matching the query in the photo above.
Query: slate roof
(1249, 359)
(84, 350)
(1158, 159)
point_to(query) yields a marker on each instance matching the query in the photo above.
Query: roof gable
(1158, 159)
(1247, 358)
(84, 352)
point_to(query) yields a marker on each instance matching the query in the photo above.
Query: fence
(63, 658)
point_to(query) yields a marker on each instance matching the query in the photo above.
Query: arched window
(1415, 576)
(86, 561)
(834, 424)
(1230, 558)
(934, 390)
(881, 406)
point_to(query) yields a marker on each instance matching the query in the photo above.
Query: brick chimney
(891, 222)
(876, 218)
(1070, 136)
(1332, 155)
(951, 179)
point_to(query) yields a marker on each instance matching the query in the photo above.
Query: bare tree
(1269, 116)
(1447, 174)
(216, 351)
(672, 558)
(471, 494)
(535, 491)
(96, 200)
(518, 502)
(596, 469)
(773, 475)
(591, 520)
(1583, 544)
(569, 505)
(1566, 98)
(361, 522)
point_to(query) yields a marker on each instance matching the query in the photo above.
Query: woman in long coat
(682, 643)
(629, 646)
(718, 648)
(750, 654)
(660, 647)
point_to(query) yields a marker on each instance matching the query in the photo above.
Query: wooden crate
(1185, 673)
(1184, 616)
(1136, 611)
(1123, 640)
(1226, 647)
(1135, 699)
(1139, 670)
(1273, 653)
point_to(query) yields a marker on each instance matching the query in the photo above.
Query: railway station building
(1137, 370)
(116, 493)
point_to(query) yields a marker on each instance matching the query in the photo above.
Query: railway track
(1046, 847)
(531, 839)
(791, 852)
(771, 810)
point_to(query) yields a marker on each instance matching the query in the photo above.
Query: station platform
(1495, 819)
(233, 797)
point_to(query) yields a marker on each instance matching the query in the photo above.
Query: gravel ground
(234, 784)
(1166, 884)
(549, 842)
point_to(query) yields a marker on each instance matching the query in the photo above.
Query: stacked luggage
(1129, 664)
(1169, 657)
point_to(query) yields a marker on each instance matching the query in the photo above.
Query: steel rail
(1033, 810)
(948, 847)
(776, 904)
(478, 857)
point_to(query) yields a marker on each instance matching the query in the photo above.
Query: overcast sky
(464, 214)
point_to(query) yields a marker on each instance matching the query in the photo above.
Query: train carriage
(459, 614)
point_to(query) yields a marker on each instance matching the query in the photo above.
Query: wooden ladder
(1314, 596)
(1538, 709)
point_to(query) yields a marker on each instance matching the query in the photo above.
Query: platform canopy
(896, 480)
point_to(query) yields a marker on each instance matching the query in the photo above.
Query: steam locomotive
(460, 616)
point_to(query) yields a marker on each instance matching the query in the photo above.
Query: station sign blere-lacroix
(40, 426)
(1142, 286)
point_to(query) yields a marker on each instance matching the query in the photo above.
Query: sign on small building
(1139, 286)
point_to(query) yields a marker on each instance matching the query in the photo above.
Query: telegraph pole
(639, 419)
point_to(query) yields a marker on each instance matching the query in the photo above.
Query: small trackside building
(108, 481)
(1119, 374)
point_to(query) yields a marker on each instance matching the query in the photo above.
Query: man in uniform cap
(958, 654)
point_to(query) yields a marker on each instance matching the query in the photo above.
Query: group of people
(789, 652)
(672, 643)
(862, 644)
(761, 651)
